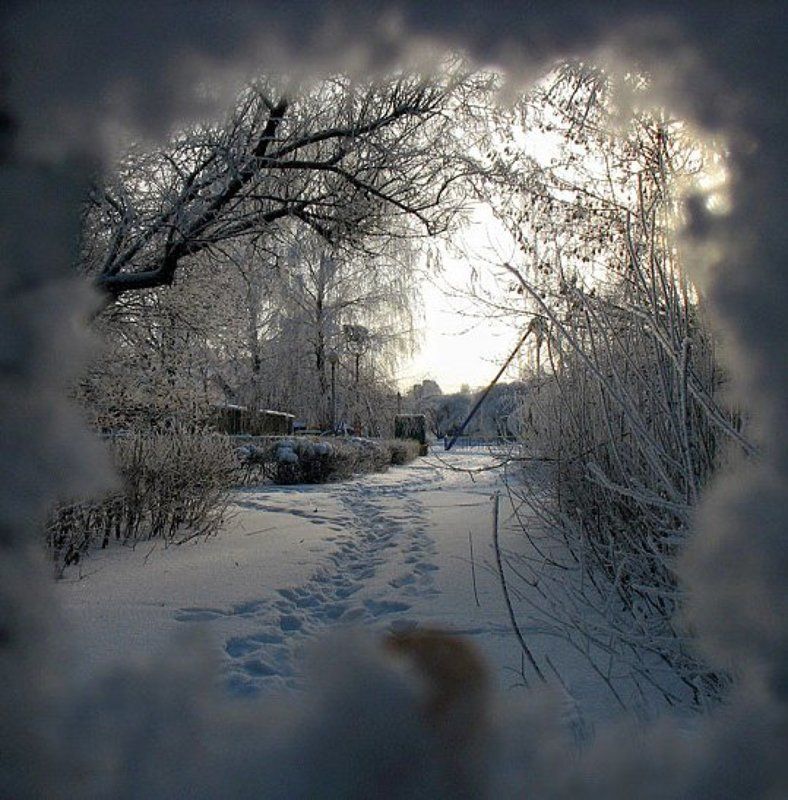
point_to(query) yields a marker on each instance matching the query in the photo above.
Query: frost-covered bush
(308, 461)
(295, 460)
(403, 451)
(256, 460)
(629, 453)
(371, 455)
(174, 485)
(628, 406)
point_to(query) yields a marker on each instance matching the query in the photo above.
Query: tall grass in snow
(628, 407)
(173, 484)
(629, 413)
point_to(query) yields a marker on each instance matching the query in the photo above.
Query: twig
(148, 554)
(261, 530)
(473, 571)
(505, 590)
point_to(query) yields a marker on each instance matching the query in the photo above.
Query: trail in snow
(384, 552)
(381, 562)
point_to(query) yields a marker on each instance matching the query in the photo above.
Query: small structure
(412, 426)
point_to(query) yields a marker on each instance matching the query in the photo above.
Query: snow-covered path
(386, 552)
(383, 567)
(379, 565)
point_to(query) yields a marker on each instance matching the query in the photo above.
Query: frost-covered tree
(342, 158)
(626, 399)
(278, 228)
(323, 297)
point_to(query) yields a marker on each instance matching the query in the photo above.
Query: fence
(239, 420)
(477, 442)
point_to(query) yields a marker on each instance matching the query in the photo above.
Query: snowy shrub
(305, 460)
(628, 407)
(174, 485)
(308, 461)
(371, 455)
(403, 451)
(255, 463)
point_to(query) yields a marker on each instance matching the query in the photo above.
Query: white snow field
(385, 552)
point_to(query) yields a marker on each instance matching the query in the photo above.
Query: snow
(276, 413)
(386, 552)
(720, 66)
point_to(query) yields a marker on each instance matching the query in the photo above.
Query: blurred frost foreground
(162, 730)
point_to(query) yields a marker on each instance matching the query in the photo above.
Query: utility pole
(478, 404)
(357, 338)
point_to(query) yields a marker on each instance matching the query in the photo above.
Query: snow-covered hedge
(174, 485)
(306, 460)
(403, 451)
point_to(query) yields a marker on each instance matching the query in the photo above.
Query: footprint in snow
(354, 614)
(244, 645)
(331, 611)
(240, 646)
(258, 667)
(380, 607)
(290, 623)
(402, 580)
(249, 607)
(199, 614)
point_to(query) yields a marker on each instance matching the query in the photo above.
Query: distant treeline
(499, 415)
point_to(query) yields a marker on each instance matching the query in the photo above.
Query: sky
(460, 342)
